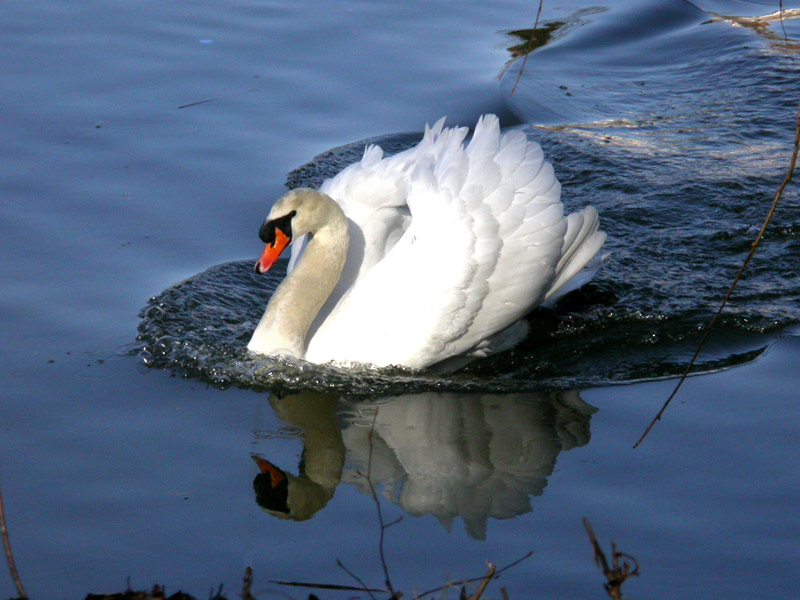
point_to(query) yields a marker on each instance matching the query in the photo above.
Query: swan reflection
(448, 455)
(299, 496)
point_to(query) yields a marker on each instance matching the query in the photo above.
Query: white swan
(433, 253)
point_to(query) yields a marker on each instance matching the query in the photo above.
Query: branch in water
(530, 46)
(746, 262)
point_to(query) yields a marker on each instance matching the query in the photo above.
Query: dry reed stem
(247, 584)
(616, 574)
(9, 556)
(472, 580)
(333, 586)
(530, 45)
(484, 582)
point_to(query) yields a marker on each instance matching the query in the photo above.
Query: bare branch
(357, 578)
(530, 46)
(746, 262)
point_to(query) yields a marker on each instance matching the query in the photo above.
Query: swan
(436, 252)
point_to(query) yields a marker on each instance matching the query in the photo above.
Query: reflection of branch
(530, 45)
(746, 262)
(333, 586)
(378, 507)
(783, 25)
(364, 587)
(10, 557)
(493, 573)
(616, 575)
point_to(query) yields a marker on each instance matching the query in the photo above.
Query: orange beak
(272, 252)
(266, 467)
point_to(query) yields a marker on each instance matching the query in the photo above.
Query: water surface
(673, 118)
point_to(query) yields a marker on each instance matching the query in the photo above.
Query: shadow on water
(473, 456)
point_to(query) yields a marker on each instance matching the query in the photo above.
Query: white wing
(449, 245)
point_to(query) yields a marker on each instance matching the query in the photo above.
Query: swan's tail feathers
(579, 261)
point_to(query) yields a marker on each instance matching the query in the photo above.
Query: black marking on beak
(284, 223)
(269, 496)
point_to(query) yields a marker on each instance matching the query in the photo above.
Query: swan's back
(459, 243)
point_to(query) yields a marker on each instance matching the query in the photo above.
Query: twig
(378, 507)
(395, 522)
(9, 556)
(198, 102)
(247, 584)
(486, 579)
(217, 98)
(616, 575)
(332, 586)
(746, 262)
(357, 578)
(473, 579)
(783, 25)
(528, 51)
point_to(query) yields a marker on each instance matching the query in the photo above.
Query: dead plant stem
(9, 556)
(617, 573)
(473, 579)
(484, 582)
(530, 46)
(783, 25)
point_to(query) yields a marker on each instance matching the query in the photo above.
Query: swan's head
(287, 496)
(301, 211)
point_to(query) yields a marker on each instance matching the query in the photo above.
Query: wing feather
(478, 238)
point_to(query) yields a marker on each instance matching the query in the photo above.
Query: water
(677, 126)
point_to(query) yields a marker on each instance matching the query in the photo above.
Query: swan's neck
(296, 302)
(323, 449)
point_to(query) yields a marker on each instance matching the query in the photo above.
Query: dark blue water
(143, 144)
